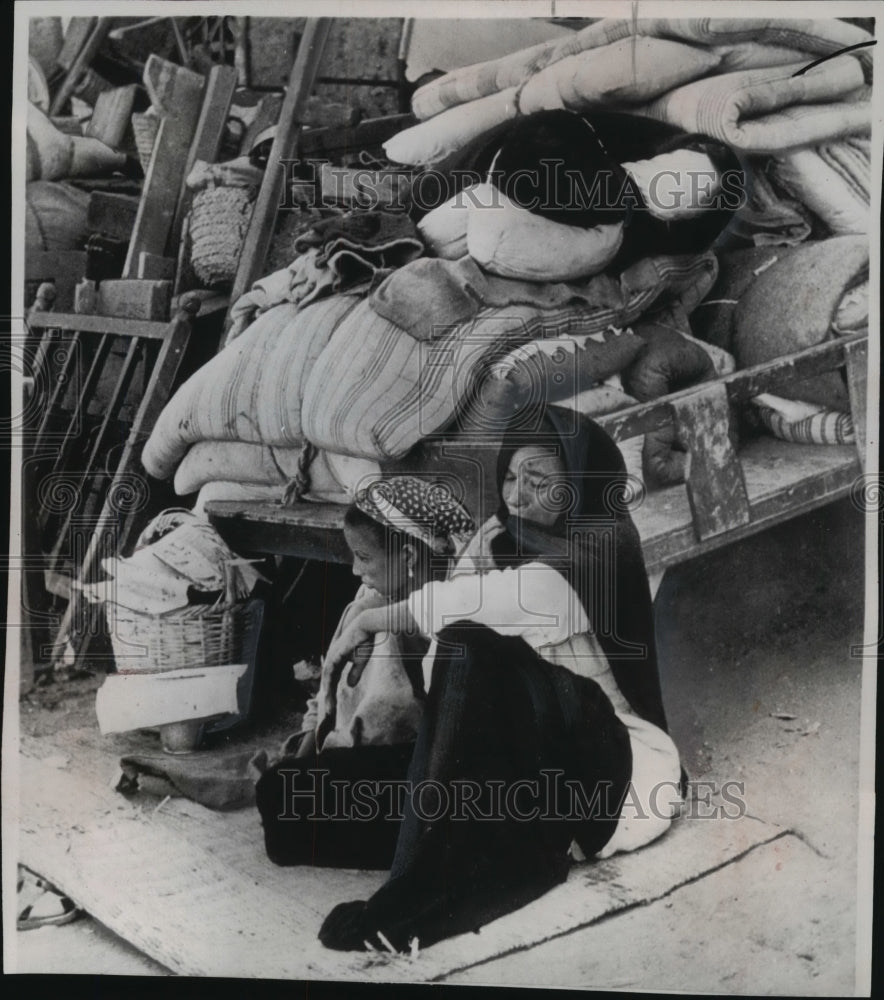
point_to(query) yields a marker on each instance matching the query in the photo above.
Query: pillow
(669, 362)
(433, 140)
(512, 242)
(678, 185)
(557, 368)
(629, 71)
(803, 423)
(444, 229)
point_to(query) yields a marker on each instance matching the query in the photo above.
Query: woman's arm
(533, 601)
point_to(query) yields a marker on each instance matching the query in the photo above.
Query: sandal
(41, 904)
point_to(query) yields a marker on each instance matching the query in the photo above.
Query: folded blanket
(429, 295)
(251, 390)
(833, 180)
(769, 323)
(633, 70)
(376, 391)
(767, 218)
(333, 478)
(772, 109)
(812, 38)
(335, 254)
(629, 71)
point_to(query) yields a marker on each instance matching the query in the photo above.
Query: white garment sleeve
(533, 601)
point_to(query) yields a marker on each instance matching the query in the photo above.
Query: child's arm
(360, 632)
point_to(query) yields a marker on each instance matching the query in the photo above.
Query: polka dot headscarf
(428, 511)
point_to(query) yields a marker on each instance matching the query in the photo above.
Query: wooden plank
(97, 324)
(741, 386)
(84, 57)
(261, 225)
(111, 214)
(209, 131)
(154, 267)
(716, 490)
(782, 480)
(307, 530)
(75, 37)
(111, 115)
(857, 364)
(134, 298)
(177, 94)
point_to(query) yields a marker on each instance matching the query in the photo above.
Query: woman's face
(525, 490)
(385, 571)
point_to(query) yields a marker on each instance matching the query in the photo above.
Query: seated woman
(362, 724)
(544, 706)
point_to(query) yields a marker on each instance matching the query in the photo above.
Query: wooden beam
(260, 232)
(716, 489)
(84, 57)
(135, 298)
(741, 386)
(110, 117)
(857, 364)
(176, 93)
(41, 320)
(151, 265)
(207, 136)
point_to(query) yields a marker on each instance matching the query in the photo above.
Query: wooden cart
(728, 493)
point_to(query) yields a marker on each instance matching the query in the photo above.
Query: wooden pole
(301, 82)
(81, 63)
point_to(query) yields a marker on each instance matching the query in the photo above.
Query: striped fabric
(350, 381)
(803, 423)
(771, 109)
(250, 391)
(376, 392)
(832, 180)
(815, 38)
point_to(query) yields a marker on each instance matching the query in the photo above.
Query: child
(403, 533)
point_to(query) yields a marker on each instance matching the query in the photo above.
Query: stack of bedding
(490, 296)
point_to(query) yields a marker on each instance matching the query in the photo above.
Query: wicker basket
(219, 220)
(145, 126)
(202, 635)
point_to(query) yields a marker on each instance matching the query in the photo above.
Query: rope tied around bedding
(300, 484)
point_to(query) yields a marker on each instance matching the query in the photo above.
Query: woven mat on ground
(194, 890)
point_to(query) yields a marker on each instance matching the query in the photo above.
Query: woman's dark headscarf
(595, 544)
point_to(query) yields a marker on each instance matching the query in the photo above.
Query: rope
(297, 487)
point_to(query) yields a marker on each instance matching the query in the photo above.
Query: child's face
(385, 571)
